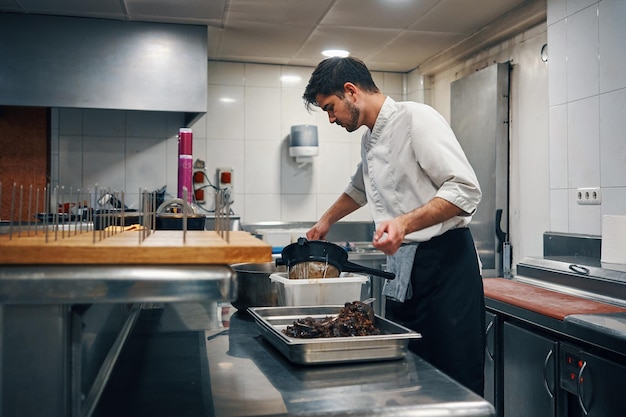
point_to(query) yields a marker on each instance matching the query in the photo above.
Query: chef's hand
(318, 231)
(388, 236)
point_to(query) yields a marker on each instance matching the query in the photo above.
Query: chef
(422, 192)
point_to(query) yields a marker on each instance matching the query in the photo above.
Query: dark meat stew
(354, 319)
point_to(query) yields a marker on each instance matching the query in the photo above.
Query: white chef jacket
(409, 157)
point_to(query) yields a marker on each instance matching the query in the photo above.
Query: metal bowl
(254, 286)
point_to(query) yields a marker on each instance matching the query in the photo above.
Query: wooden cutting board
(549, 303)
(131, 247)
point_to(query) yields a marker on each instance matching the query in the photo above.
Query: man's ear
(349, 89)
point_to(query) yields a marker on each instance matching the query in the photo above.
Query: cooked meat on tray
(354, 319)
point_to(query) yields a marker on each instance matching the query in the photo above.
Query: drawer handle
(487, 331)
(579, 388)
(545, 371)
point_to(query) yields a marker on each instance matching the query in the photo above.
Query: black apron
(447, 306)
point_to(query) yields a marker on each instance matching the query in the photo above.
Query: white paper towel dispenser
(303, 143)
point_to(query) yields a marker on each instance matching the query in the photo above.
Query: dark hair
(332, 73)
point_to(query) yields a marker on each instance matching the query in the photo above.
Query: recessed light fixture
(342, 53)
(227, 100)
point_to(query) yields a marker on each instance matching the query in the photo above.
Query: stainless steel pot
(254, 287)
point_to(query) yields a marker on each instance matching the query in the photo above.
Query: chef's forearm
(340, 209)
(434, 212)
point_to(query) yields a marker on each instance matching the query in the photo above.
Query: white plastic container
(319, 291)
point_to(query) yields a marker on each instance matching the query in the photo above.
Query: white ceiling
(389, 35)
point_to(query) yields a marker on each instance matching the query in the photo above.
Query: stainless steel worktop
(606, 330)
(241, 374)
(90, 284)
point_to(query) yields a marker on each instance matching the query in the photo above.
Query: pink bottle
(185, 163)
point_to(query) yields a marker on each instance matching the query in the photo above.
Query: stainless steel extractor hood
(53, 61)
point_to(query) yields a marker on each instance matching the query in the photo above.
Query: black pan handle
(352, 267)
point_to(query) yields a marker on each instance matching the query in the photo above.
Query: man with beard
(422, 193)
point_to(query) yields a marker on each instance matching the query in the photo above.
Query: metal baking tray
(391, 344)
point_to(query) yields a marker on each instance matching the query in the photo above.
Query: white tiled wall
(112, 149)
(587, 99)
(529, 194)
(247, 125)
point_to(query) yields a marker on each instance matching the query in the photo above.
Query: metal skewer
(89, 212)
(56, 212)
(46, 196)
(60, 200)
(30, 202)
(37, 210)
(153, 207)
(69, 212)
(143, 209)
(12, 212)
(227, 219)
(123, 209)
(95, 194)
(153, 214)
(19, 214)
(78, 210)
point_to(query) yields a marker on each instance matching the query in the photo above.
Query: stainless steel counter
(241, 374)
(63, 327)
(606, 332)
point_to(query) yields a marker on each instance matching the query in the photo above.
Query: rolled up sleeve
(356, 187)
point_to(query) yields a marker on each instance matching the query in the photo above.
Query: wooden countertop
(130, 248)
(540, 300)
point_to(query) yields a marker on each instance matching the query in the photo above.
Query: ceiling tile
(278, 11)
(359, 41)
(387, 14)
(195, 9)
(261, 41)
(410, 49)
(451, 16)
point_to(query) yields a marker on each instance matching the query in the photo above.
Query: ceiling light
(342, 53)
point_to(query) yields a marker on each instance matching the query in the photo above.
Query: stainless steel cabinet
(529, 373)
(595, 384)
(55, 359)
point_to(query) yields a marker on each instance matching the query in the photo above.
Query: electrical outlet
(224, 177)
(589, 196)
